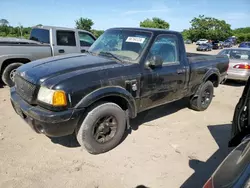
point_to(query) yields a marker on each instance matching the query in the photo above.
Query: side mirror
(154, 62)
(83, 50)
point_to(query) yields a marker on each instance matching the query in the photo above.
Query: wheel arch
(9, 61)
(117, 95)
(214, 76)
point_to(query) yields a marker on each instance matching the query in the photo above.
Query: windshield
(204, 45)
(123, 44)
(240, 54)
(236, 54)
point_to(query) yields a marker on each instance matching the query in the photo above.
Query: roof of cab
(60, 28)
(153, 30)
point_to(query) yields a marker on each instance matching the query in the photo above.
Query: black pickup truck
(125, 71)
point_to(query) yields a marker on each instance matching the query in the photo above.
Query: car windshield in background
(123, 44)
(204, 45)
(236, 54)
(240, 54)
(40, 35)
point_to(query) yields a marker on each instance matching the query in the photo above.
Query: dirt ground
(169, 146)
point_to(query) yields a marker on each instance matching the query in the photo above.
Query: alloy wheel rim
(105, 129)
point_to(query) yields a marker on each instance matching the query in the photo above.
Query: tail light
(241, 66)
(209, 184)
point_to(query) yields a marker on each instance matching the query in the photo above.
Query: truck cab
(63, 40)
(44, 41)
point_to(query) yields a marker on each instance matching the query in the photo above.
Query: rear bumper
(43, 121)
(242, 76)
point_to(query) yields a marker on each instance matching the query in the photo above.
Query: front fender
(109, 92)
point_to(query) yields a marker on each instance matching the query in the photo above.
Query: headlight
(52, 97)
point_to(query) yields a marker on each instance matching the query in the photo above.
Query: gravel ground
(169, 146)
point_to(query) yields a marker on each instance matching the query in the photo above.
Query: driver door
(167, 83)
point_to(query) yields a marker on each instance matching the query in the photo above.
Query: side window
(166, 46)
(86, 39)
(65, 38)
(40, 35)
(225, 52)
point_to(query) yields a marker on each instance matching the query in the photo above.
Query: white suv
(202, 41)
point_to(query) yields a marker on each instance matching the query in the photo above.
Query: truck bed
(196, 57)
(17, 41)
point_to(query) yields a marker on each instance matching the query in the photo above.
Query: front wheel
(103, 128)
(9, 74)
(203, 97)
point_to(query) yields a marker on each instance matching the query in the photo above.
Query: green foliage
(209, 28)
(242, 34)
(244, 30)
(155, 23)
(185, 34)
(84, 23)
(97, 33)
(9, 31)
(243, 37)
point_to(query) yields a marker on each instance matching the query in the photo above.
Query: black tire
(203, 97)
(8, 74)
(85, 133)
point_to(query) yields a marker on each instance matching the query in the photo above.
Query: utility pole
(21, 32)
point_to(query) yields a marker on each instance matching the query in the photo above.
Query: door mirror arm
(154, 62)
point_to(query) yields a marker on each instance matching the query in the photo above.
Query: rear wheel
(9, 73)
(103, 128)
(203, 97)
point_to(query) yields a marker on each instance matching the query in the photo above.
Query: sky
(124, 13)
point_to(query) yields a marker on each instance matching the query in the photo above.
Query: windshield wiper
(111, 55)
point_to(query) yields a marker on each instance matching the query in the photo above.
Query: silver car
(239, 64)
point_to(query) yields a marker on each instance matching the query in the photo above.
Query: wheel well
(14, 60)
(214, 79)
(120, 101)
(117, 100)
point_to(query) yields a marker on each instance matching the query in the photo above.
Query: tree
(155, 23)
(185, 34)
(84, 23)
(4, 22)
(209, 28)
(97, 33)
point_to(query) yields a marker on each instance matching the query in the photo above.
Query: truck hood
(64, 66)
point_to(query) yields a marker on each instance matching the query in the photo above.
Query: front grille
(25, 89)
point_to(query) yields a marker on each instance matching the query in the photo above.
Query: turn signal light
(59, 98)
(242, 66)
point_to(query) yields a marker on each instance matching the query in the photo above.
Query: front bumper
(43, 121)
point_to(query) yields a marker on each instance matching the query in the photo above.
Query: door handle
(61, 51)
(181, 71)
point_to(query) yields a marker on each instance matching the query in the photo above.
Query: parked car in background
(239, 63)
(45, 41)
(204, 47)
(126, 71)
(234, 171)
(227, 44)
(233, 40)
(217, 45)
(202, 41)
(244, 45)
(188, 42)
